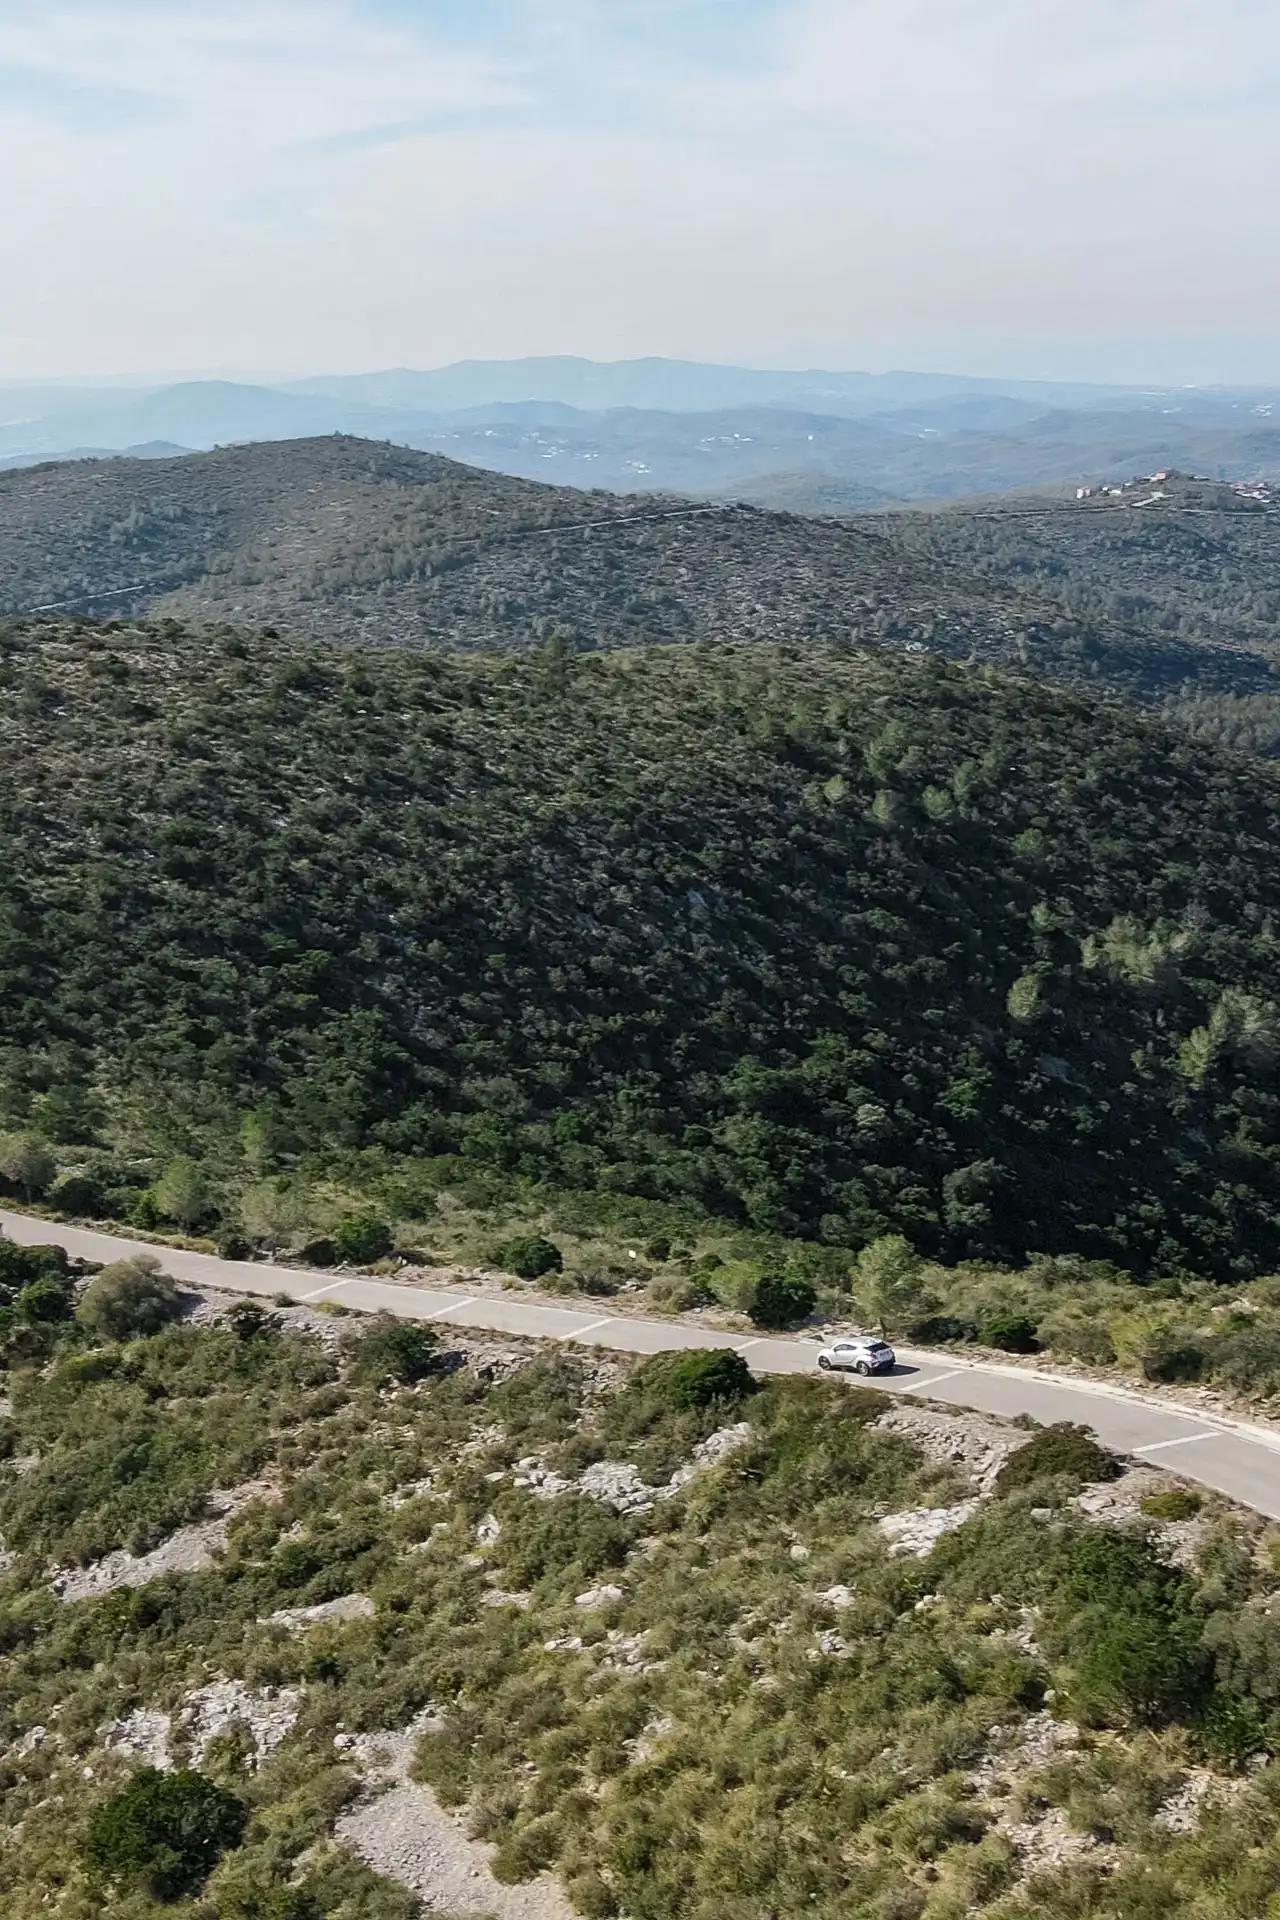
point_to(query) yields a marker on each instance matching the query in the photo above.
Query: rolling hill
(346, 540)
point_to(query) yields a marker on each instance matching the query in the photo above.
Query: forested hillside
(832, 945)
(341, 540)
(1188, 563)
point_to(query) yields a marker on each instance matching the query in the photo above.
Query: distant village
(1155, 487)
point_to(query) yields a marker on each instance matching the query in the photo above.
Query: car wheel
(863, 1367)
(824, 1361)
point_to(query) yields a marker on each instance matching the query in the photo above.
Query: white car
(858, 1353)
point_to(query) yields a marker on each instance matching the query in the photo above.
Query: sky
(1079, 189)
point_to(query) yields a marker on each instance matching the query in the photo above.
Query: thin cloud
(349, 182)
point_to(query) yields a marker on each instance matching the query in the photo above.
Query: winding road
(1235, 1457)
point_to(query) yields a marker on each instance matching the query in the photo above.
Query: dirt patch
(192, 1549)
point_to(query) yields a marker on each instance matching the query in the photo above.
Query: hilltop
(348, 540)
(826, 945)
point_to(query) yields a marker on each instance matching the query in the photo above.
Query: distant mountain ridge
(813, 441)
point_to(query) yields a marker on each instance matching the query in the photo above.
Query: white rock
(143, 1734)
(348, 1606)
(597, 1597)
(915, 1533)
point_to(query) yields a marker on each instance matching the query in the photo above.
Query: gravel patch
(268, 1715)
(617, 1483)
(1200, 1791)
(209, 1305)
(1046, 1842)
(142, 1735)
(403, 1832)
(1043, 1836)
(192, 1549)
(412, 1490)
(1018, 1750)
(971, 1443)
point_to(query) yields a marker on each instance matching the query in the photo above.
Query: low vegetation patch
(648, 1623)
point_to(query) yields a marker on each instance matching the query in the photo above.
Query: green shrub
(77, 1193)
(530, 1256)
(1248, 1358)
(26, 1164)
(1137, 1665)
(143, 1211)
(271, 1903)
(181, 1193)
(163, 1833)
(1011, 1332)
(22, 1266)
(45, 1301)
(233, 1246)
(782, 1300)
(1172, 1357)
(400, 1350)
(1064, 1452)
(943, 1329)
(129, 1298)
(702, 1377)
(249, 1320)
(361, 1238)
(672, 1294)
(1172, 1503)
(597, 1282)
(320, 1252)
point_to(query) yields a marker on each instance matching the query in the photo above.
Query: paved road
(1233, 1457)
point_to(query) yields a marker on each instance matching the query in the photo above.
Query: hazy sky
(1085, 188)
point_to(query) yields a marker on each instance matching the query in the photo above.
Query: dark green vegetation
(1059, 1453)
(826, 948)
(722, 1742)
(348, 540)
(163, 1833)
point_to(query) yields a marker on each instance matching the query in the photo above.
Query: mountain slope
(826, 945)
(340, 539)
